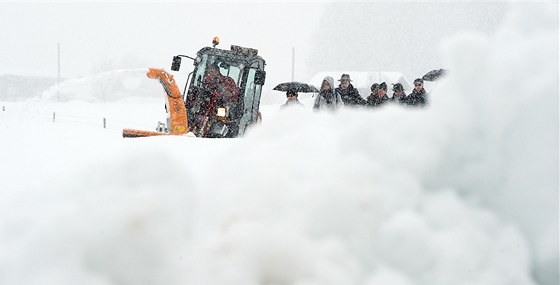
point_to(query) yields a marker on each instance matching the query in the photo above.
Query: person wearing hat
(379, 97)
(418, 95)
(350, 95)
(398, 94)
(373, 93)
(292, 96)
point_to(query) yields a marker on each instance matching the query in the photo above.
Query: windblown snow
(462, 192)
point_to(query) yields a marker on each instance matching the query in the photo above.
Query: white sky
(102, 36)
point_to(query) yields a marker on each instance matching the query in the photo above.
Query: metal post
(293, 61)
(58, 81)
(104, 123)
(53, 116)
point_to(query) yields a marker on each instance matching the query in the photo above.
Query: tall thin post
(58, 80)
(293, 61)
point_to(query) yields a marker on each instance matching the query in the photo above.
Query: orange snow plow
(221, 97)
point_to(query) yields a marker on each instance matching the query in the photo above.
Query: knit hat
(329, 80)
(383, 86)
(398, 87)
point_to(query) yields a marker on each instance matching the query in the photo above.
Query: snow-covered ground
(462, 192)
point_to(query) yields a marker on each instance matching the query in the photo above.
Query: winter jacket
(328, 100)
(295, 103)
(401, 100)
(351, 96)
(375, 101)
(417, 98)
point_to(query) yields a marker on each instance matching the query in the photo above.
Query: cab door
(251, 97)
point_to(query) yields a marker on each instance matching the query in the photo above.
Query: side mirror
(260, 76)
(176, 64)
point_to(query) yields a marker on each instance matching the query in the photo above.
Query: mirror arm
(185, 56)
(176, 64)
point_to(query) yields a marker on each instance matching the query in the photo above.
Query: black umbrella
(434, 74)
(296, 86)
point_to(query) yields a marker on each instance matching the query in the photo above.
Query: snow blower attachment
(177, 115)
(223, 95)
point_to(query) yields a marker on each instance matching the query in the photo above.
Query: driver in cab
(223, 96)
(221, 87)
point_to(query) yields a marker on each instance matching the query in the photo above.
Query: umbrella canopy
(434, 74)
(296, 86)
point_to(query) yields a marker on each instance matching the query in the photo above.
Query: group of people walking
(331, 97)
(379, 96)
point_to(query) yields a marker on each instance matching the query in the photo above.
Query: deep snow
(462, 192)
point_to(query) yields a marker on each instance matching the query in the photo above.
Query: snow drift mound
(118, 222)
(352, 192)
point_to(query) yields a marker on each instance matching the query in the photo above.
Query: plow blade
(130, 133)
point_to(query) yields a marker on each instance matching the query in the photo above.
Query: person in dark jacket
(398, 94)
(350, 95)
(418, 95)
(373, 93)
(380, 97)
(292, 96)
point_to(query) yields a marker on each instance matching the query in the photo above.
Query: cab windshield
(229, 68)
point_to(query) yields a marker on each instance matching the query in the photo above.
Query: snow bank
(516, 122)
(359, 182)
(462, 192)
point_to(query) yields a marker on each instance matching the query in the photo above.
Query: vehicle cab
(208, 114)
